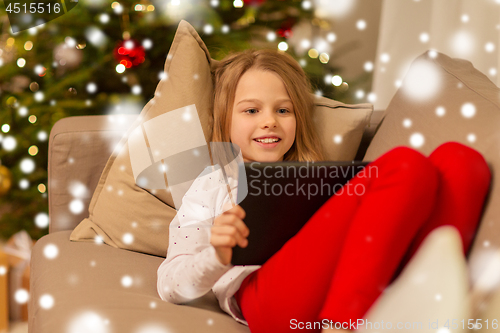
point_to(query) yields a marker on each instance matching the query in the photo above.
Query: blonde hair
(306, 146)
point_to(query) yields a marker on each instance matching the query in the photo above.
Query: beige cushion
(340, 127)
(120, 207)
(459, 87)
(432, 288)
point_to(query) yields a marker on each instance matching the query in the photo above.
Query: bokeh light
(417, 140)
(50, 251)
(33, 150)
(283, 46)
(27, 165)
(28, 45)
(21, 296)
(361, 24)
(42, 188)
(422, 81)
(120, 68)
(46, 301)
(9, 143)
(336, 80)
(468, 110)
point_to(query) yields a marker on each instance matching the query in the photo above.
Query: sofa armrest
(79, 148)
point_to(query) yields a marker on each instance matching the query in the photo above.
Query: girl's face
(262, 109)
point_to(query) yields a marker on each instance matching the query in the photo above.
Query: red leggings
(354, 246)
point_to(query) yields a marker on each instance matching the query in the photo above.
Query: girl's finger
(231, 219)
(232, 231)
(222, 241)
(237, 210)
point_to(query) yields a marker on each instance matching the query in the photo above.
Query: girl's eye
(286, 110)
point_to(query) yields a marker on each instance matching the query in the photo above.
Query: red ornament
(286, 28)
(284, 32)
(254, 2)
(129, 53)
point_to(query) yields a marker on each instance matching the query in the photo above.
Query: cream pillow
(431, 290)
(121, 213)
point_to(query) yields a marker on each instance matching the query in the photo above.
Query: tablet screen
(281, 197)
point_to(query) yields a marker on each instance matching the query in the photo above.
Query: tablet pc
(280, 197)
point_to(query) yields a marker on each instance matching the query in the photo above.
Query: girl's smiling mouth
(267, 142)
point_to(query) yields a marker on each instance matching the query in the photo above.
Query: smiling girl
(271, 107)
(338, 264)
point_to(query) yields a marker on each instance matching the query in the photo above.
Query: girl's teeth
(267, 140)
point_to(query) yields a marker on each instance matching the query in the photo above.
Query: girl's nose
(269, 120)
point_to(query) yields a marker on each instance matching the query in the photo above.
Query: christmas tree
(107, 57)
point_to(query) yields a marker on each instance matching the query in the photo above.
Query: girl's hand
(228, 231)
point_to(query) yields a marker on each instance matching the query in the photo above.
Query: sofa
(85, 278)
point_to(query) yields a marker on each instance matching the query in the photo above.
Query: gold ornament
(5, 180)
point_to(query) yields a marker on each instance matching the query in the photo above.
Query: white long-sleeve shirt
(191, 267)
